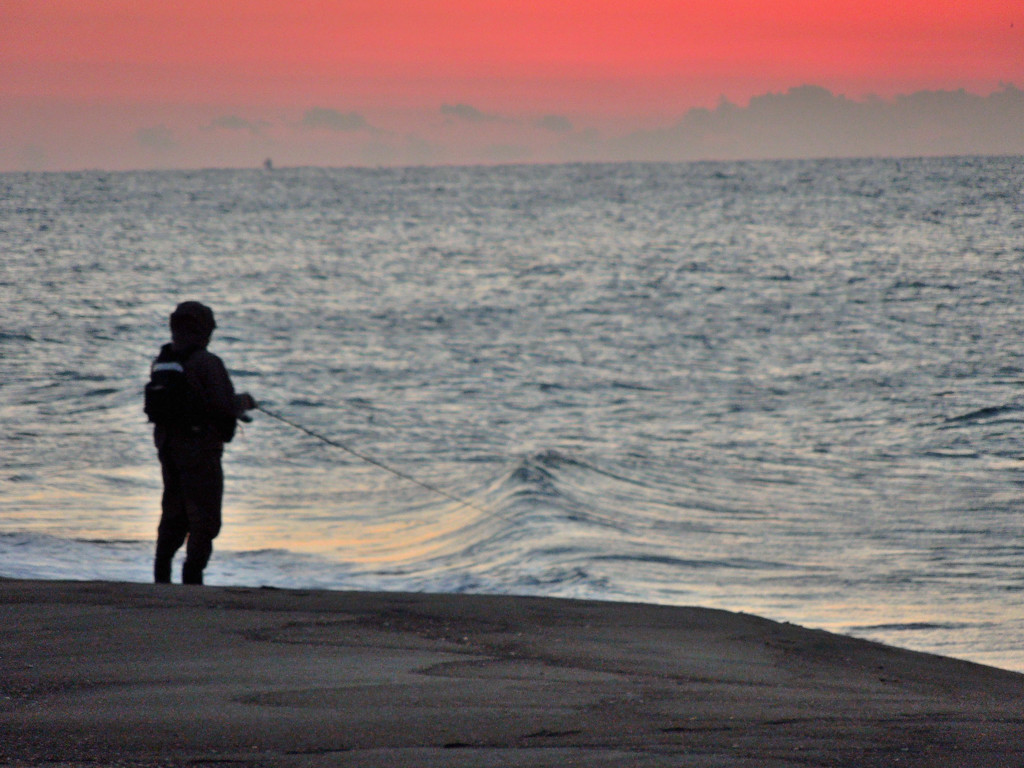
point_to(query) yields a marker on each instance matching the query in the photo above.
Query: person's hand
(247, 401)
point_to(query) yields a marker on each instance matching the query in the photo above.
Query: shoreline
(149, 674)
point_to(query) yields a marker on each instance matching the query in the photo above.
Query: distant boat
(268, 164)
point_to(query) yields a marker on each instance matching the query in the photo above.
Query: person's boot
(190, 574)
(162, 571)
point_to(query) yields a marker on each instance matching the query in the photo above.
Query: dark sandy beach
(141, 675)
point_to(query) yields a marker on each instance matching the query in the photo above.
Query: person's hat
(193, 316)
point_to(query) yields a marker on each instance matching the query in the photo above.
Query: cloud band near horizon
(806, 121)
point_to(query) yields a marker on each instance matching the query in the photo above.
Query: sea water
(786, 388)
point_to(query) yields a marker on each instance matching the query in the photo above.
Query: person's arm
(218, 393)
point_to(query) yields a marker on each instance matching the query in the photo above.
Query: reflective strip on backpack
(171, 366)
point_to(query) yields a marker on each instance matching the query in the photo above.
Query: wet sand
(144, 675)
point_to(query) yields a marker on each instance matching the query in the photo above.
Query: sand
(146, 675)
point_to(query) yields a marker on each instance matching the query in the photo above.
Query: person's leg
(173, 526)
(204, 493)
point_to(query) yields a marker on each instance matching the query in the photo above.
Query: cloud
(324, 118)
(554, 123)
(157, 137)
(810, 121)
(468, 113)
(803, 122)
(236, 123)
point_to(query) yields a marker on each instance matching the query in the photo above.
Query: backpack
(168, 399)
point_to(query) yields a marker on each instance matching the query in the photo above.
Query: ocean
(786, 388)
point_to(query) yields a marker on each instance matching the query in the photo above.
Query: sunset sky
(130, 83)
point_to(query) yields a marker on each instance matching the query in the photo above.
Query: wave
(982, 414)
(915, 626)
(537, 477)
(691, 564)
(44, 556)
(561, 488)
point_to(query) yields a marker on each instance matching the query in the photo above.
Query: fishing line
(371, 460)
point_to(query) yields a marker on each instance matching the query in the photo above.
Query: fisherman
(190, 438)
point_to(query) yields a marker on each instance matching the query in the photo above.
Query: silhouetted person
(195, 409)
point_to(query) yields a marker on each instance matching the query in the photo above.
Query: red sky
(634, 60)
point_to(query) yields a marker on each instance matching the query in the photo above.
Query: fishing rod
(370, 460)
